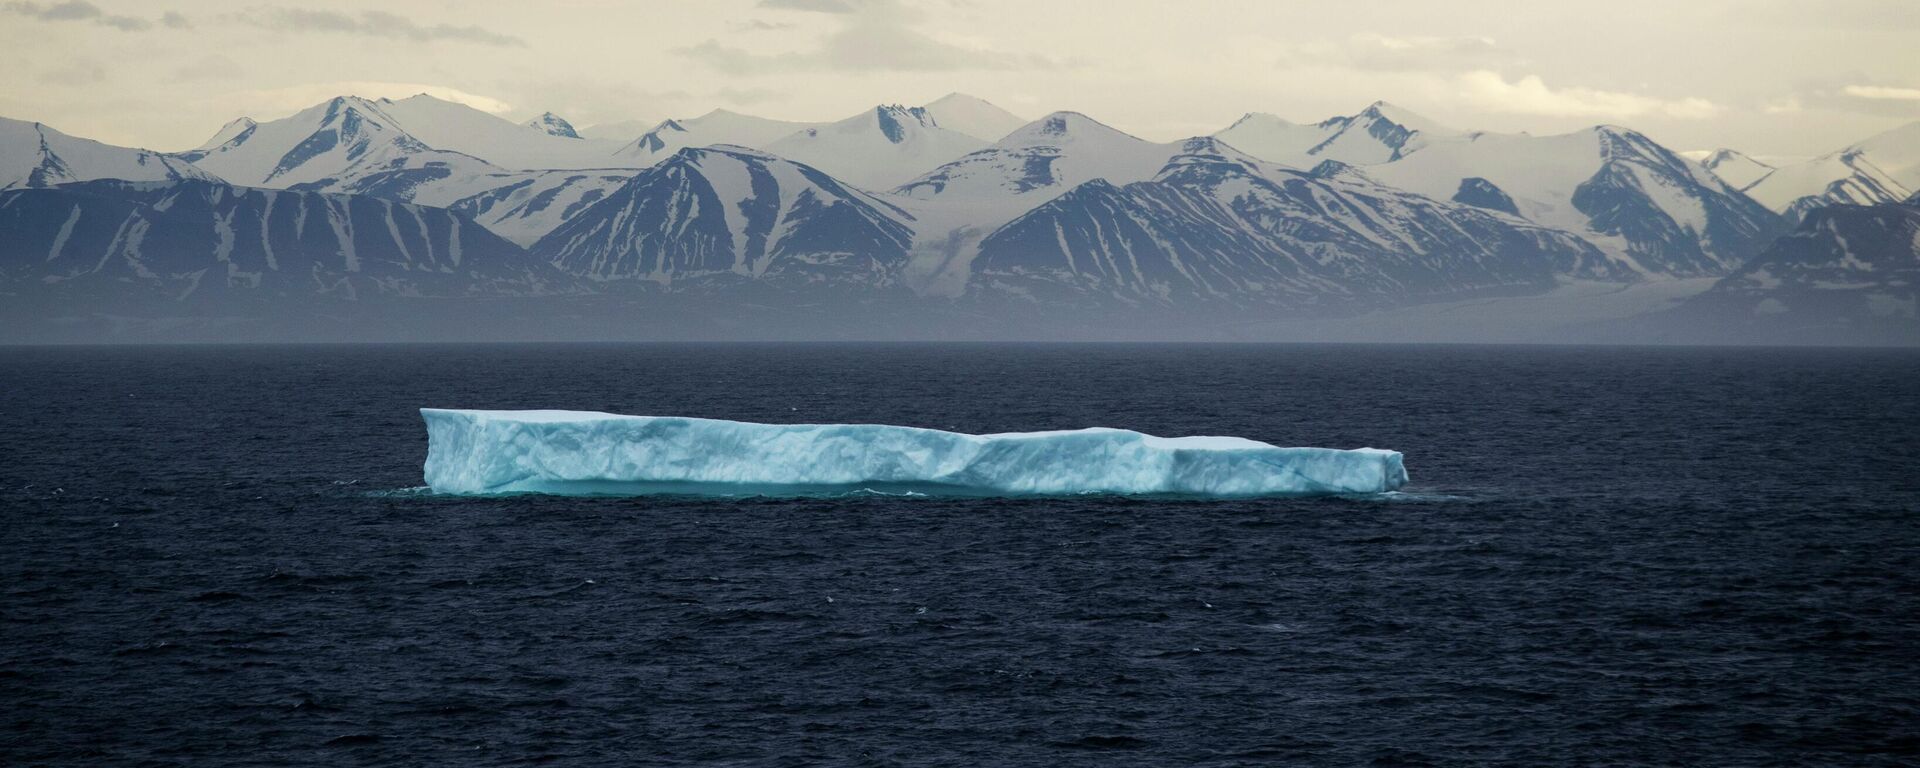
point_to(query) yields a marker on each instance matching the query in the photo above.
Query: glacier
(587, 453)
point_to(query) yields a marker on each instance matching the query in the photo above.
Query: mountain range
(953, 208)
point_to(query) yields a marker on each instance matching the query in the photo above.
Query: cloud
(1852, 93)
(760, 25)
(874, 35)
(297, 97)
(1531, 95)
(174, 20)
(77, 10)
(373, 24)
(1881, 92)
(815, 6)
(1373, 52)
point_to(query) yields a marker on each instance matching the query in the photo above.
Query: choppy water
(1625, 556)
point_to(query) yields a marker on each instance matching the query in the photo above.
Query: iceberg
(587, 453)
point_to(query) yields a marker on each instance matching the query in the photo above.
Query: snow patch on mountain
(1735, 168)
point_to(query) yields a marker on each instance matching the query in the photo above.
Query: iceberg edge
(477, 452)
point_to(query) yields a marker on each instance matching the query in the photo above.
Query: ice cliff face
(573, 452)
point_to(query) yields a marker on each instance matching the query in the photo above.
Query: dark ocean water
(1606, 556)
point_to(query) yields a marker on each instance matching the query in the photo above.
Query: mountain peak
(896, 120)
(1213, 147)
(234, 128)
(973, 116)
(553, 125)
(1405, 118)
(1205, 157)
(957, 97)
(1061, 126)
(1258, 118)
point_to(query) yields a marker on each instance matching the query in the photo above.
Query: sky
(1779, 78)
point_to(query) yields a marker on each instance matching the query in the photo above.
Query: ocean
(221, 556)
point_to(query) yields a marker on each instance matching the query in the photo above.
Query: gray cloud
(374, 24)
(77, 10)
(877, 35)
(1388, 53)
(1855, 93)
(175, 20)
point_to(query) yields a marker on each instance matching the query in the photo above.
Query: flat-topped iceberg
(579, 452)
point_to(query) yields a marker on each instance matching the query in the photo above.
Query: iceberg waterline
(580, 452)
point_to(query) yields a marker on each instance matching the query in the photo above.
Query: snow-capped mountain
(879, 148)
(235, 128)
(711, 129)
(523, 206)
(337, 145)
(1042, 159)
(974, 117)
(553, 125)
(200, 240)
(1652, 211)
(328, 147)
(962, 201)
(1218, 226)
(376, 148)
(456, 127)
(716, 216)
(1735, 168)
(623, 131)
(1380, 133)
(1848, 274)
(1881, 169)
(35, 155)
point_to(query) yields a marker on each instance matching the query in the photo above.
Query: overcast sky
(1772, 77)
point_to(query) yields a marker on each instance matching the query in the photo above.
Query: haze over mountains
(951, 219)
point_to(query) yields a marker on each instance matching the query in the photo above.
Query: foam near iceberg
(579, 453)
